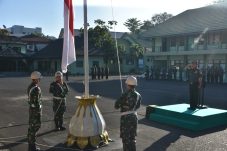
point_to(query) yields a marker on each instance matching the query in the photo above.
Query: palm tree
(133, 25)
(136, 51)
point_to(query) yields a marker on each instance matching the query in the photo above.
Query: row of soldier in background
(213, 74)
(161, 73)
(99, 72)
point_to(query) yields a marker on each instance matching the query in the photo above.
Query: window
(213, 38)
(79, 63)
(30, 47)
(153, 44)
(216, 38)
(17, 48)
(191, 45)
(181, 41)
(173, 42)
(201, 41)
(172, 62)
(224, 37)
(96, 63)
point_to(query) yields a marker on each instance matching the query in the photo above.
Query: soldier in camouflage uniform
(128, 103)
(34, 101)
(59, 89)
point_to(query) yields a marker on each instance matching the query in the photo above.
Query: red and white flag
(68, 54)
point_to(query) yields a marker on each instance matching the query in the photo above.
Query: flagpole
(86, 64)
(87, 130)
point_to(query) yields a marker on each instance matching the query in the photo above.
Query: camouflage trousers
(34, 124)
(129, 144)
(59, 109)
(128, 132)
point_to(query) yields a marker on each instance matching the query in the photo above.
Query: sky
(48, 14)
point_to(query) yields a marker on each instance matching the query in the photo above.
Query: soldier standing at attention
(34, 101)
(95, 71)
(92, 73)
(106, 72)
(99, 72)
(193, 79)
(102, 72)
(128, 103)
(59, 89)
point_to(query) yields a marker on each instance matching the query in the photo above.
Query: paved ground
(151, 136)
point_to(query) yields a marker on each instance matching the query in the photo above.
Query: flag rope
(116, 45)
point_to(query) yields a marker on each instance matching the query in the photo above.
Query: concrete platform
(179, 115)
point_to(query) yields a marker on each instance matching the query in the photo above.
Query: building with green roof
(193, 35)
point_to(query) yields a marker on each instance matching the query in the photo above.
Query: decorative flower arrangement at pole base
(87, 126)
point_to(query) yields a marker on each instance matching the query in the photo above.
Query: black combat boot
(32, 147)
(56, 125)
(29, 147)
(60, 126)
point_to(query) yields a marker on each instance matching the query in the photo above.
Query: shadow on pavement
(24, 124)
(181, 131)
(24, 140)
(174, 134)
(163, 143)
(63, 147)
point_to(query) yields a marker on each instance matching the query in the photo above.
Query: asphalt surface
(152, 136)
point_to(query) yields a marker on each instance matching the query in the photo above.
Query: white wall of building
(19, 31)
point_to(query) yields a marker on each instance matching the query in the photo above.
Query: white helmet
(58, 73)
(36, 75)
(131, 80)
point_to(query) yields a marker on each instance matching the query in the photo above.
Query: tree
(122, 51)
(111, 23)
(137, 51)
(147, 24)
(98, 35)
(133, 25)
(38, 34)
(100, 23)
(4, 32)
(109, 50)
(101, 39)
(160, 18)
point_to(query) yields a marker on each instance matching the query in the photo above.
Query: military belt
(33, 106)
(128, 112)
(58, 98)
